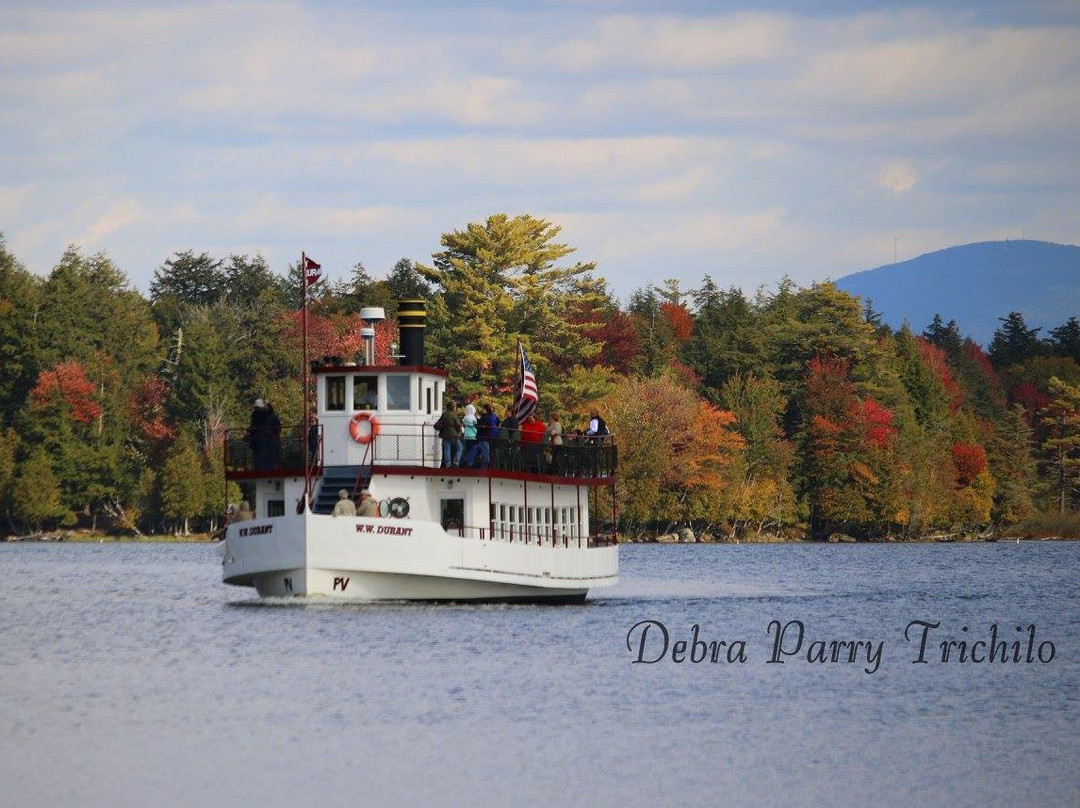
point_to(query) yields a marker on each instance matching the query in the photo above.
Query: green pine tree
(183, 483)
(36, 493)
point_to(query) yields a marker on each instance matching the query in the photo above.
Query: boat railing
(406, 443)
(535, 535)
(288, 452)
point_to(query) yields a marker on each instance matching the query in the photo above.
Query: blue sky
(669, 140)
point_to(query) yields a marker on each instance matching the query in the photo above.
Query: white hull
(350, 558)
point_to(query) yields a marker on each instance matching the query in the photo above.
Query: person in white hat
(344, 506)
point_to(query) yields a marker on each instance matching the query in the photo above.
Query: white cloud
(119, 215)
(897, 177)
(672, 44)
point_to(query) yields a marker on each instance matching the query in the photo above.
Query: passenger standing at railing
(486, 431)
(273, 432)
(344, 506)
(449, 428)
(257, 436)
(553, 439)
(509, 441)
(468, 429)
(597, 427)
(532, 440)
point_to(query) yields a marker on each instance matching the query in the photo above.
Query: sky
(668, 140)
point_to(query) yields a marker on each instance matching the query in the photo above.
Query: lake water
(129, 676)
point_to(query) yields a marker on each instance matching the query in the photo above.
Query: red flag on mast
(312, 271)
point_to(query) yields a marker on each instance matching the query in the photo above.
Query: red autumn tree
(935, 359)
(615, 331)
(848, 446)
(67, 382)
(680, 321)
(339, 335)
(969, 460)
(147, 407)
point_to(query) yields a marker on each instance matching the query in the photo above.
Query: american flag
(527, 395)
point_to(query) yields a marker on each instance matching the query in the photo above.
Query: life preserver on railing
(356, 428)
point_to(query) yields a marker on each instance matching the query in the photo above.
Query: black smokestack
(412, 317)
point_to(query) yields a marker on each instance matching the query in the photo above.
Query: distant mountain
(975, 285)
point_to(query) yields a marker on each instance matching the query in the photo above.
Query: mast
(304, 375)
(309, 273)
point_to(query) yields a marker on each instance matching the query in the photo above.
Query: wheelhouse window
(365, 392)
(335, 393)
(397, 393)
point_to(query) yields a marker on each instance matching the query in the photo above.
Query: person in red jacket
(532, 439)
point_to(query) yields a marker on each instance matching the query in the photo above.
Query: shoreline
(86, 537)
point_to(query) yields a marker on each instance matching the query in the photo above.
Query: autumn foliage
(935, 358)
(67, 382)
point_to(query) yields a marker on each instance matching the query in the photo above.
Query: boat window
(397, 393)
(275, 507)
(429, 401)
(335, 392)
(453, 515)
(365, 392)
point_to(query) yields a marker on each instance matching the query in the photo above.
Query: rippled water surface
(129, 676)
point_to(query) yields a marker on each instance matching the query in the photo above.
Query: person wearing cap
(368, 505)
(257, 436)
(344, 506)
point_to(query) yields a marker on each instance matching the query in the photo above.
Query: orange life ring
(356, 431)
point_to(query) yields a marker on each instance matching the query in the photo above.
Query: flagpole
(304, 372)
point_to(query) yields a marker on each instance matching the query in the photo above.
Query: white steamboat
(521, 528)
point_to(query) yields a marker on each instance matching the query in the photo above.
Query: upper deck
(383, 418)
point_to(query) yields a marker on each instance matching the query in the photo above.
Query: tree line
(791, 411)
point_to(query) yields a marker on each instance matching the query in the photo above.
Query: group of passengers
(469, 440)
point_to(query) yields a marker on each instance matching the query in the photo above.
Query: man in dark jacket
(449, 428)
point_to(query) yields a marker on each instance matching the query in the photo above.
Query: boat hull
(347, 558)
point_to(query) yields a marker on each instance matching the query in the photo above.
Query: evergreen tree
(765, 498)
(19, 300)
(183, 483)
(1065, 340)
(1013, 467)
(1014, 342)
(1061, 448)
(500, 281)
(659, 346)
(36, 493)
(946, 337)
(728, 340)
(183, 281)
(249, 284)
(405, 282)
(9, 443)
(202, 382)
(90, 314)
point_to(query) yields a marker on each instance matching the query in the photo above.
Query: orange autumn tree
(675, 451)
